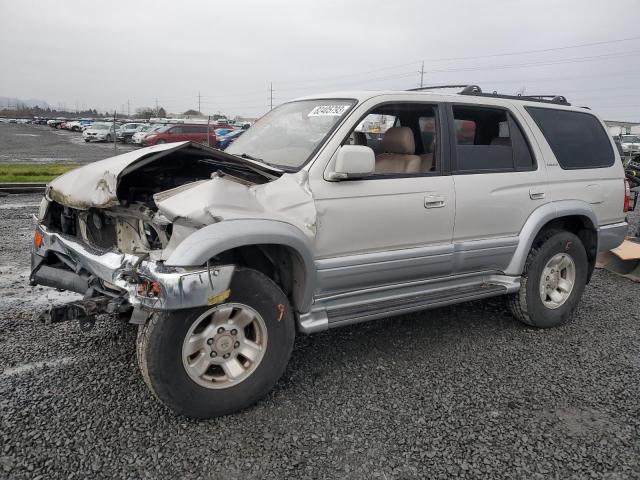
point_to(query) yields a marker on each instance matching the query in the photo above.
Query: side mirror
(353, 161)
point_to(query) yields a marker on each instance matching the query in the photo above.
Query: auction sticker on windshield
(328, 110)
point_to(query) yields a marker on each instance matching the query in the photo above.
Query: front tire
(108, 139)
(211, 361)
(553, 281)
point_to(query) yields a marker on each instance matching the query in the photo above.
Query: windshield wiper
(251, 157)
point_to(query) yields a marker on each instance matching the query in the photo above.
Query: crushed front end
(115, 282)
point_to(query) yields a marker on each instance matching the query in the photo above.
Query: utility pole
(270, 96)
(128, 108)
(199, 103)
(115, 144)
(422, 75)
(157, 106)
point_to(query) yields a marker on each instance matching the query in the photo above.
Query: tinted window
(577, 139)
(175, 130)
(489, 139)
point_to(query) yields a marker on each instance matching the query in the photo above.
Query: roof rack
(466, 89)
(475, 90)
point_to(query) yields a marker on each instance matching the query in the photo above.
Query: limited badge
(221, 297)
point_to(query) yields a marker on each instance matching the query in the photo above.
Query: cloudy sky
(103, 54)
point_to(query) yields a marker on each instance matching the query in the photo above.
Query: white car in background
(74, 126)
(100, 132)
(142, 132)
(630, 144)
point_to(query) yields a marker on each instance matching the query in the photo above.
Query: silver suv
(330, 210)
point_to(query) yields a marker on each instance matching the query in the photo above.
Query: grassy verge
(32, 172)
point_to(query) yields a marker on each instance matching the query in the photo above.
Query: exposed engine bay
(133, 224)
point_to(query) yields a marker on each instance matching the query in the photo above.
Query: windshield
(289, 134)
(630, 139)
(100, 126)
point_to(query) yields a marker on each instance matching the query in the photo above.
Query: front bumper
(121, 274)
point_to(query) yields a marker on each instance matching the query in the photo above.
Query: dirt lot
(42, 144)
(462, 391)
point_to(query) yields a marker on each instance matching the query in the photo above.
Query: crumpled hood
(288, 199)
(94, 184)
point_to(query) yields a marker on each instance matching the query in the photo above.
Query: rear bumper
(64, 262)
(611, 236)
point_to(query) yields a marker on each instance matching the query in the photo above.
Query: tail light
(627, 195)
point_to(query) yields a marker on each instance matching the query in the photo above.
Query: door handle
(434, 201)
(536, 194)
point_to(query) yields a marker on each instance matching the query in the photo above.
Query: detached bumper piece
(107, 277)
(84, 311)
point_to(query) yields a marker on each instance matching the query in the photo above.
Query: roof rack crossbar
(437, 87)
(475, 90)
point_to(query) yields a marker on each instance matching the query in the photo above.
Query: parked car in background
(126, 131)
(74, 126)
(181, 133)
(220, 132)
(100, 132)
(142, 131)
(630, 144)
(225, 140)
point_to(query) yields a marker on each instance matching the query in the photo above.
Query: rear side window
(577, 139)
(489, 140)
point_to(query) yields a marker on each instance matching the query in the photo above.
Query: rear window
(577, 139)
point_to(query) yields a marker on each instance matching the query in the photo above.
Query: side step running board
(397, 306)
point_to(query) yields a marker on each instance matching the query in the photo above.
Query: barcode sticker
(328, 110)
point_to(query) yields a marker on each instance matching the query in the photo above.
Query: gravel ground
(463, 391)
(43, 144)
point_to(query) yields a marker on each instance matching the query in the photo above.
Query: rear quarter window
(577, 139)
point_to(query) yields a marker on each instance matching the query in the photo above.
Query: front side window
(403, 137)
(489, 140)
(288, 135)
(577, 139)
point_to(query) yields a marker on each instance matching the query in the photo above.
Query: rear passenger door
(498, 184)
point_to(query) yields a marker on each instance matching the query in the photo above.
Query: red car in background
(182, 132)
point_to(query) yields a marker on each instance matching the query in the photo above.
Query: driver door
(388, 227)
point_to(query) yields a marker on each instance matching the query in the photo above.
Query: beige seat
(399, 150)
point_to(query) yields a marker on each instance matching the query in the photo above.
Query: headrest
(359, 138)
(398, 140)
(503, 130)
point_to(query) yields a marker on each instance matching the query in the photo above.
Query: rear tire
(553, 281)
(213, 391)
(108, 139)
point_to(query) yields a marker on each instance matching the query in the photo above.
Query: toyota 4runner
(330, 210)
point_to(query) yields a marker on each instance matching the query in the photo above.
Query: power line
(504, 54)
